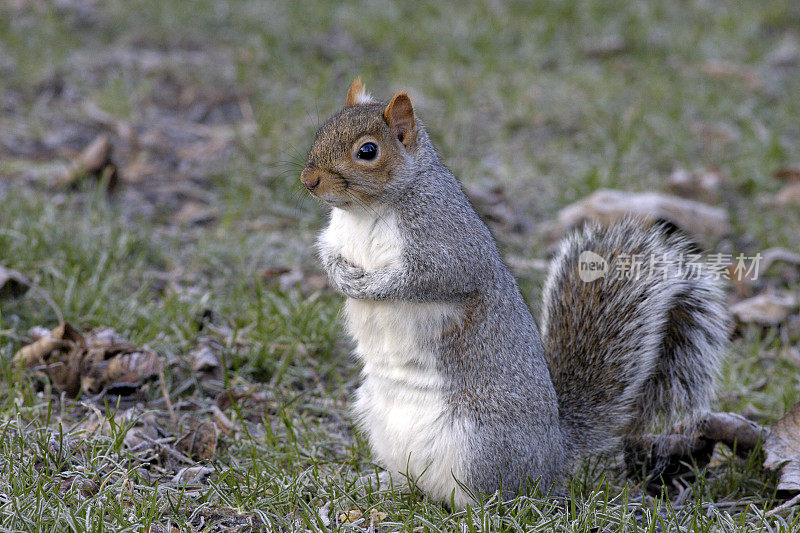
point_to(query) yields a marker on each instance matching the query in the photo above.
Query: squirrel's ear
(399, 114)
(357, 94)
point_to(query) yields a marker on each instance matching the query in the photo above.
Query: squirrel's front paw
(349, 279)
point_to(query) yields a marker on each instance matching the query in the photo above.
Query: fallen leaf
(352, 516)
(148, 432)
(268, 274)
(607, 206)
(117, 368)
(94, 160)
(12, 283)
(157, 528)
(377, 515)
(102, 336)
(194, 213)
(85, 488)
(63, 337)
(138, 172)
(782, 449)
(788, 174)
(191, 474)
(702, 186)
(199, 438)
(727, 69)
(227, 398)
(222, 420)
(767, 309)
(101, 360)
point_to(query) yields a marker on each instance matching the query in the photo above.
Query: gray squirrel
(459, 390)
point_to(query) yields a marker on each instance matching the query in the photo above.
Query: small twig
(165, 394)
(682, 492)
(784, 506)
(222, 419)
(737, 503)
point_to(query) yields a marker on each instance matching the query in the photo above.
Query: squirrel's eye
(367, 151)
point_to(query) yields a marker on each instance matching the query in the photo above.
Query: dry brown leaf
(788, 174)
(227, 398)
(606, 206)
(352, 516)
(703, 186)
(101, 360)
(782, 449)
(727, 69)
(191, 474)
(63, 337)
(84, 488)
(138, 172)
(12, 283)
(377, 515)
(194, 213)
(199, 438)
(269, 274)
(767, 309)
(94, 160)
(117, 368)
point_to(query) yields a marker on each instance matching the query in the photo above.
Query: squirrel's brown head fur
(357, 152)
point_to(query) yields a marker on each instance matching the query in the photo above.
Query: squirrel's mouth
(331, 188)
(334, 201)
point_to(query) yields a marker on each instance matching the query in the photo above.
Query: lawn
(203, 248)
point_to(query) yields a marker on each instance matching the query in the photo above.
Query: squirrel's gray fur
(440, 325)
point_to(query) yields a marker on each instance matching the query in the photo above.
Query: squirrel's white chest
(368, 240)
(401, 404)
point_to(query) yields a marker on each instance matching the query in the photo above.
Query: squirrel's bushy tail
(638, 344)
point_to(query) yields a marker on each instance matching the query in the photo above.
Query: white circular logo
(591, 266)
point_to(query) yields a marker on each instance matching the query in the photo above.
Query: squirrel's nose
(310, 179)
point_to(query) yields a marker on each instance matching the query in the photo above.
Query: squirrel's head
(359, 153)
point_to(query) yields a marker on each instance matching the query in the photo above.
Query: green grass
(513, 96)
